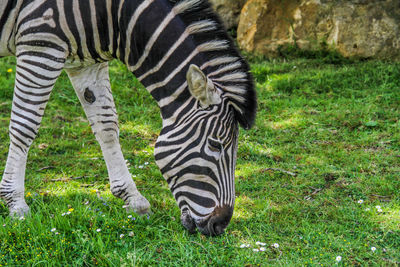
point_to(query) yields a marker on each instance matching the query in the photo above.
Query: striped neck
(158, 41)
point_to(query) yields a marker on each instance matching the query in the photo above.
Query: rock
(355, 28)
(229, 11)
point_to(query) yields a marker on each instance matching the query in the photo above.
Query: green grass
(335, 125)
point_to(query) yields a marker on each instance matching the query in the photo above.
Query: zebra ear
(201, 87)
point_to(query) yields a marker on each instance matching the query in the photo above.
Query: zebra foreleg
(93, 88)
(35, 78)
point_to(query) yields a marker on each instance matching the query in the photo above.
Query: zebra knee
(107, 136)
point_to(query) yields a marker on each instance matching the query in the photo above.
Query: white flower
(125, 206)
(57, 233)
(275, 245)
(146, 163)
(121, 235)
(360, 201)
(262, 249)
(338, 258)
(98, 230)
(140, 166)
(242, 245)
(63, 214)
(373, 249)
(131, 234)
(68, 213)
(378, 207)
(379, 210)
(260, 243)
(53, 229)
(367, 209)
(256, 250)
(21, 218)
(130, 216)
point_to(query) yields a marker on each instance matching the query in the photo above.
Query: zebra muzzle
(188, 222)
(213, 226)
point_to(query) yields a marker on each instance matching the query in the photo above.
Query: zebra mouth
(214, 225)
(188, 222)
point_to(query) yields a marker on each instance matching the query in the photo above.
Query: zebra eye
(214, 146)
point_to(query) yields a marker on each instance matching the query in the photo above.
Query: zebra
(181, 53)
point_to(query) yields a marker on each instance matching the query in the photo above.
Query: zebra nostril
(219, 220)
(217, 228)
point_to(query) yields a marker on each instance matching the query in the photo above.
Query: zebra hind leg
(35, 78)
(93, 88)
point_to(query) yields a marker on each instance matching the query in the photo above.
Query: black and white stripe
(162, 42)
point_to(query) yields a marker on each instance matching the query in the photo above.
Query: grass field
(327, 138)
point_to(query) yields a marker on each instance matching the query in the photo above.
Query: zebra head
(197, 156)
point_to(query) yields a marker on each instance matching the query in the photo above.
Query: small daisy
(373, 249)
(360, 201)
(367, 209)
(256, 250)
(260, 243)
(243, 245)
(275, 245)
(121, 235)
(57, 233)
(98, 230)
(379, 210)
(129, 216)
(125, 206)
(53, 229)
(378, 207)
(21, 218)
(262, 249)
(338, 258)
(68, 213)
(64, 214)
(146, 163)
(141, 167)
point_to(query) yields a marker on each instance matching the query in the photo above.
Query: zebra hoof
(19, 210)
(139, 205)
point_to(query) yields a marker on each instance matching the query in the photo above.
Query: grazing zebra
(178, 50)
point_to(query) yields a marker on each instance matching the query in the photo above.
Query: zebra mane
(224, 64)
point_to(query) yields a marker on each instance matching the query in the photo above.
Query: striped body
(180, 53)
